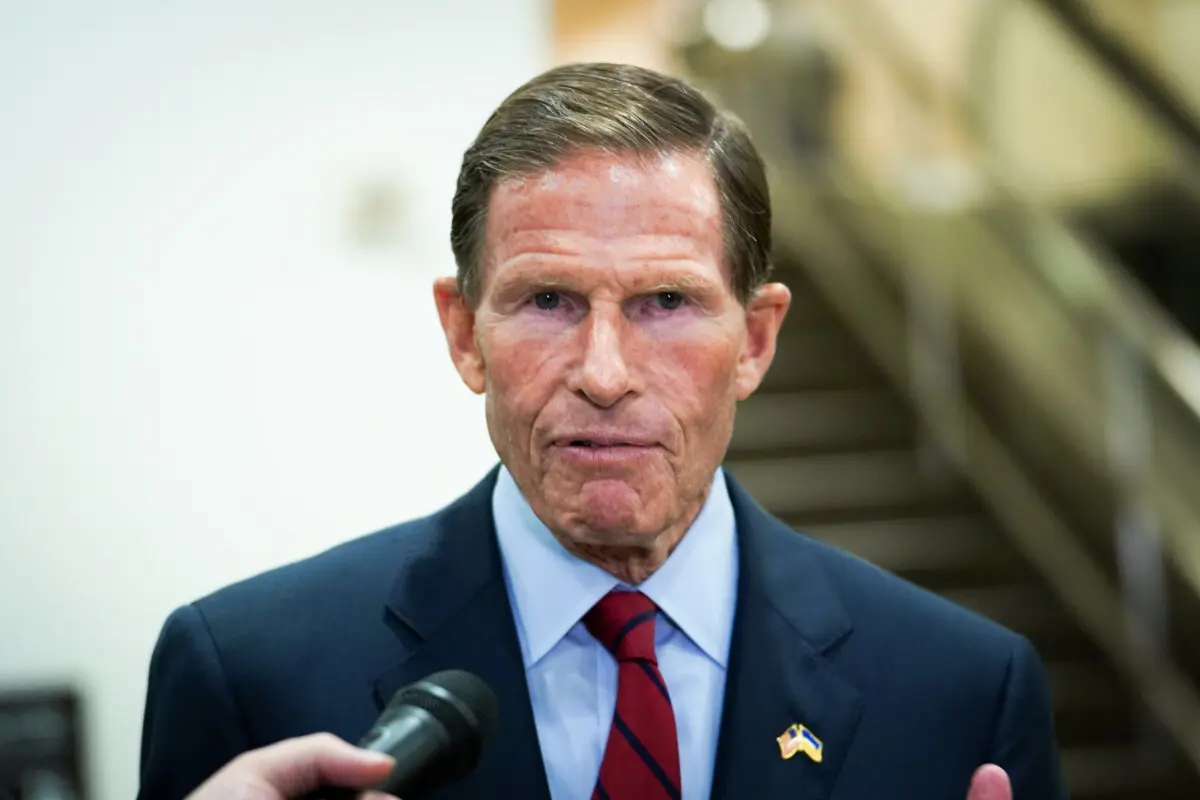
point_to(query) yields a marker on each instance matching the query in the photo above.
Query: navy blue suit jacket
(908, 693)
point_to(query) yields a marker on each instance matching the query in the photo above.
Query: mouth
(604, 448)
(589, 443)
(597, 442)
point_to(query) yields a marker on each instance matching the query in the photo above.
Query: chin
(615, 512)
(607, 506)
(590, 532)
(619, 500)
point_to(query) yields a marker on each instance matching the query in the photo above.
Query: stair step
(1030, 610)
(1018, 607)
(808, 309)
(957, 504)
(1121, 773)
(1092, 707)
(922, 544)
(831, 419)
(820, 358)
(1075, 684)
(794, 485)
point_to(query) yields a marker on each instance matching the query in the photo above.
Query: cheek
(695, 377)
(523, 370)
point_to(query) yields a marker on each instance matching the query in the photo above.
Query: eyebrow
(565, 278)
(684, 281)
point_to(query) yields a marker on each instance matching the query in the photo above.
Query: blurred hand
(990, 782)
(289, 769)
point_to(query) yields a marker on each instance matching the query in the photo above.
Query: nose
(602, 375)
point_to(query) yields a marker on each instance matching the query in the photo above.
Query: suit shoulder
(354, 574)
(879, 601)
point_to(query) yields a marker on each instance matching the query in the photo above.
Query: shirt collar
(551, 589)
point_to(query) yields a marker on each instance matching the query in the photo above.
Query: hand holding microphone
(431, 734)
(434, 729)
(291, 768)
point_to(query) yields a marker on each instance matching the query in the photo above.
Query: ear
(764, 317)
(458, 323)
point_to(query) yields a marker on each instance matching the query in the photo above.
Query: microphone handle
(413, 737)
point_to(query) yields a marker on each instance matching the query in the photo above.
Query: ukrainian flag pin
(799, 739)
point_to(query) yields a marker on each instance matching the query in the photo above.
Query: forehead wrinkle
(639, 276)
(682, 181)
(540, 244)
(611, 208)
(610, 214)
(571, 241)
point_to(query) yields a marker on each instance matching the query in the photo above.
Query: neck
(630, 565)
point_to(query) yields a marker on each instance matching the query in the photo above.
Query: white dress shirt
(573, 679)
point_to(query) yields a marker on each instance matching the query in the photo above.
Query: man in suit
(651, 632)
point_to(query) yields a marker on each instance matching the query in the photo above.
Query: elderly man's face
(610, 345)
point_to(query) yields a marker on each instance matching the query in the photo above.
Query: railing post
(931, 299)
(1136, 531)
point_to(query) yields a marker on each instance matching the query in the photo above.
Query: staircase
(829, 446)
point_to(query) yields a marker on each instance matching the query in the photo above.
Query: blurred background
(218, 352)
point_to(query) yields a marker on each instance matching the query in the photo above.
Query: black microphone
(435, 729)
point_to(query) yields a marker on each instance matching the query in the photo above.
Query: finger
(377, 796)
(990, 782)
(296, 766)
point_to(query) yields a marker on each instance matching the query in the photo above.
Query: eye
(547, 301)
(669, 301)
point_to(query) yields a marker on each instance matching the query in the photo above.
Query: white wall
(201, 375)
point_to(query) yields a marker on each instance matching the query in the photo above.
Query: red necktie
(641, 759)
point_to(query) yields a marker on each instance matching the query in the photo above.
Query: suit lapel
(788, 619)
(450, 610)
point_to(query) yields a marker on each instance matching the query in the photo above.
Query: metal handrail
(1159, 339)
(1119, 303)
(1128, 71)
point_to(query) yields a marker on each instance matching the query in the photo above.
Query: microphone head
(464, 705)
(457, 699)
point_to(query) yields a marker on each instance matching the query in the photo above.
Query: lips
(600, 440)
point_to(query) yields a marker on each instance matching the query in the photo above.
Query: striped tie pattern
(641, 759)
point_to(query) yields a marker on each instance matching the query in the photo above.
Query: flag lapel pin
(799, 739)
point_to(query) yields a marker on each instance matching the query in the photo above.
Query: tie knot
(624, 623)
